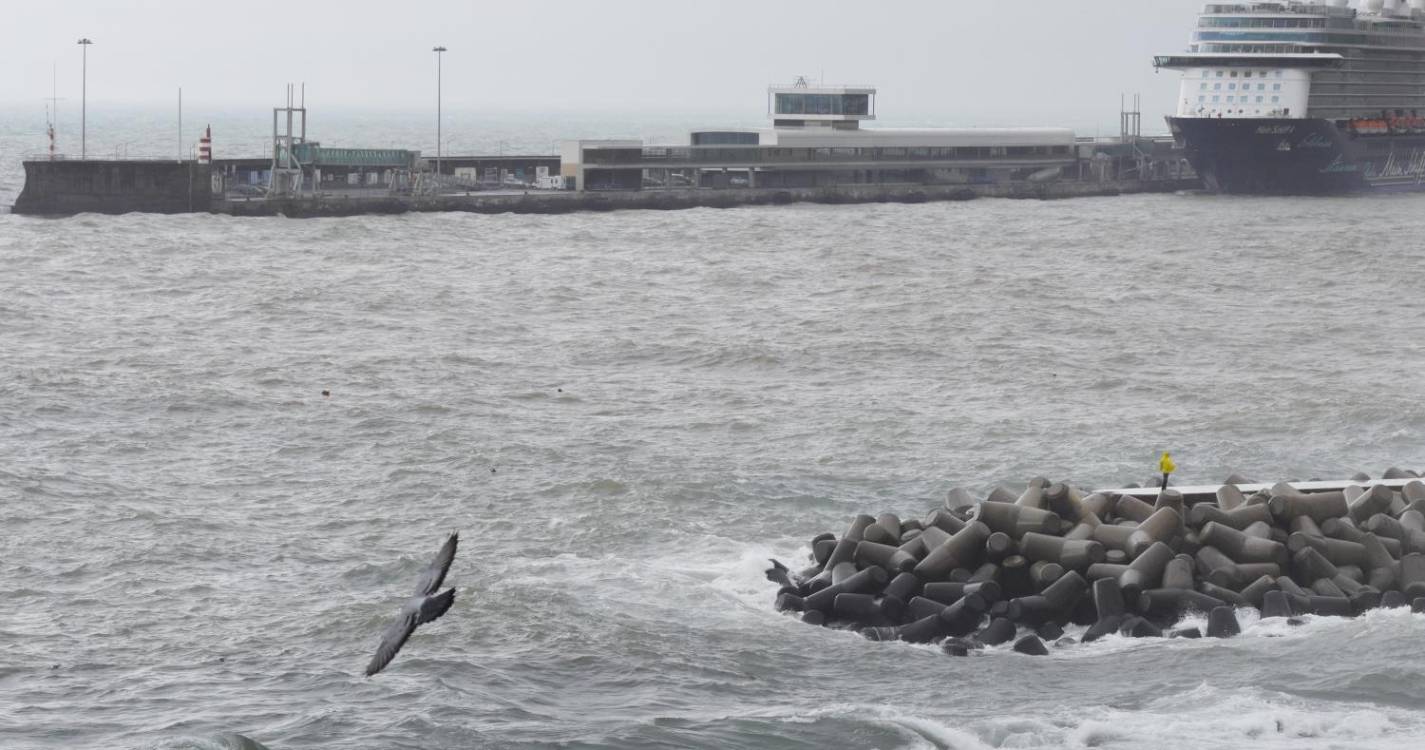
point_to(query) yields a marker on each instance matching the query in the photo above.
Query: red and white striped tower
(205, 146)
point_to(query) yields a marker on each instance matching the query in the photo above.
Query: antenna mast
(52, 109)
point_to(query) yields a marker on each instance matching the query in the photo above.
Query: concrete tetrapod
(1345, 530)
(891, 558)
(1276, 604)
(1176, 602)
(1064, 501)
(932, 537)
(1139, 627)
(1070, 553)
(1162, 526)
(1311, 566)
(1374, 500)
(1222, 623)
(998, 546)
(1145, 571)
(1107, 598)
(1238, 518)
(1017, 520)
(1000, 630)
(1385, 526)
(1133, 509)
(1031, 645)
(1393, 600)
(1338, 551)
(1288, 503)
(1044, 573)
(865, 581)
(859, 524)
(962, 549)
(1229, 497)
(1113, 536)
(1062, 594)
(903, 587)
(1177, 574)
(1107, 626)
(860, 608)
(1240, 547)
(944, 520)
(1382, 565)
(1228, 596)
(920, 607)
(1050, 631)
(1257, 590)
(886, 530)
(845, 551)
(958, 499)
(1412, 575)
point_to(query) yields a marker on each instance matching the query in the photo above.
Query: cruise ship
(1304, 97)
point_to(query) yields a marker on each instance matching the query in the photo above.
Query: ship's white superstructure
(1333, 59)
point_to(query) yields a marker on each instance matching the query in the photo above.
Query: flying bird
(426, 606)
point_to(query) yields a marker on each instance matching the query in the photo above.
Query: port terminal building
(817, 140)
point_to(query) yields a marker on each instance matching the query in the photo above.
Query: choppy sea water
(625, 414)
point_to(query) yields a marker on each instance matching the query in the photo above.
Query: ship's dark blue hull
(1297, 156)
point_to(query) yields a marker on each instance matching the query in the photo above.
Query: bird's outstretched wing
(435, 574)
(392, 640)
(432, 607)
(778, 573)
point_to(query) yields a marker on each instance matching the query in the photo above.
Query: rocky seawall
(1021, 567)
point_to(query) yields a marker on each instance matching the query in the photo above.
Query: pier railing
(101, 158)
(720, 155)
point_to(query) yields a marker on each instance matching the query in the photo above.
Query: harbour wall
(556, 202)
(62, 187)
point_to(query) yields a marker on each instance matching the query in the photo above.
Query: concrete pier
(558, 202)
(64, 187)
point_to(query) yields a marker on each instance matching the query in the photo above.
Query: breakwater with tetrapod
(1019, 569)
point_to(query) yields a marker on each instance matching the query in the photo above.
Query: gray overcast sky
(988, 62)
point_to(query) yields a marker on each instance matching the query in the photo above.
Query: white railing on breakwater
(1200, 490)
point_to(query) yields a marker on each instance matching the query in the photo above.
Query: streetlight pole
(437, 51)
(84, 98)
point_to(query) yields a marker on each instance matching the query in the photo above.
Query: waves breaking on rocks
(1020, 569)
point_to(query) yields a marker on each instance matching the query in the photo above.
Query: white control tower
(803, 105)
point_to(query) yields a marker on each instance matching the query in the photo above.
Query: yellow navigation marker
(1166, 465)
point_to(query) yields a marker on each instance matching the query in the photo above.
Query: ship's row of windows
(1226, 73)
(1369, 77)
(1366, 104)
(1270, 23)
(1245, 87)
(1343, 24)
(1369, 40)
(1377, 91)
(1216, 99)
(1352, 51)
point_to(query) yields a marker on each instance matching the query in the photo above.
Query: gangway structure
(286, 176)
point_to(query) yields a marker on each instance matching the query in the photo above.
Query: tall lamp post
(84, 98)
(437, 51)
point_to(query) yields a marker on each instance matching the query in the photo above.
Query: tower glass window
(823, 104)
